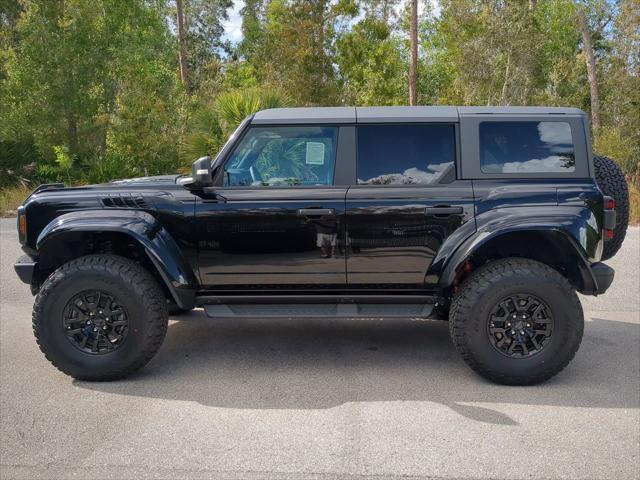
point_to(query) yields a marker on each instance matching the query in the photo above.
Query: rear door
(406, 202)
(277, 218)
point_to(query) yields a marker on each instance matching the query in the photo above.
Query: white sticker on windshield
(315, 153)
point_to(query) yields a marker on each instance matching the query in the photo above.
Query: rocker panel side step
(282, 299)
(311, 310)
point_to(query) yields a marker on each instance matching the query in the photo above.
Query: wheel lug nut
(522, 332)
(95, 329)
(88, 322)
(528, 324)
(104, 327)
(513, 332)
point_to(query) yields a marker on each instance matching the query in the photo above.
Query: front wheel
(100, 317)
(516, 321)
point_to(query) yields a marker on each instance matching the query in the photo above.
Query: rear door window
(526, 147)
(404, 154)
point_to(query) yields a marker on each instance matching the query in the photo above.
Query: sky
(233, 26)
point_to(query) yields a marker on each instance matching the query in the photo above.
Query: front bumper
(603, 275)
(25, 266)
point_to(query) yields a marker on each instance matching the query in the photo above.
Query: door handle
(443, 210)
(316, 212)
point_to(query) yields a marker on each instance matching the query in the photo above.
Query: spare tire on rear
(612, 182)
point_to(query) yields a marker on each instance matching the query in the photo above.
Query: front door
(406, 203)
(276, 221)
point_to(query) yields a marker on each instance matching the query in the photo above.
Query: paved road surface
(322, 399)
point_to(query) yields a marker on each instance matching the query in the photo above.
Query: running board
(306, 308)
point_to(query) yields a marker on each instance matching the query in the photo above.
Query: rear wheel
(612, 182)
(516, 321)
(100, 317)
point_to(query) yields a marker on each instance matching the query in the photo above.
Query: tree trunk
(503, 95)
(532, 4)
(591, 69)
(182, 46)
(413, 66)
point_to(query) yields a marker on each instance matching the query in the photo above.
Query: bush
(212, 122)
(609, 142)
(104, 168)
(18, 160)
(233, 107)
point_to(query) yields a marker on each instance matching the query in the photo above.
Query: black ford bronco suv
(490, 218)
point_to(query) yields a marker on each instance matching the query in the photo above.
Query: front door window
(283, 157)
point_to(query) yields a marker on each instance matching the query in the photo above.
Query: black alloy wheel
(95, 322)
(520, 326)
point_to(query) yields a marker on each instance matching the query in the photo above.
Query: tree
(211, 124)
(204, 23)
(413, 66)
(488, 66)
(619, 90)
(591, 68)
(371, 70)
(77, 62)
(292, 50)
(182, 46)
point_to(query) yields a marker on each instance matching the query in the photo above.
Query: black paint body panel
(264, 241)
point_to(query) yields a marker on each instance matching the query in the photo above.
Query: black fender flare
(575, 228)
(143, 228)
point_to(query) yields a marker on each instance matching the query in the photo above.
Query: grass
(11, 198)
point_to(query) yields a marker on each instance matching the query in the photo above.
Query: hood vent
(125, 201)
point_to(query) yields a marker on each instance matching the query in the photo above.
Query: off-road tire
(613, 183)
(483, 289)
(135, 289)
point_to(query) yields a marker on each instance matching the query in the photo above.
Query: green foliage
(233, 107)
(103, 168)
(204, 36)
(291, 50)
(611, 142)
(99, 79)
(18, 159)
(370, 64)
(204, 136)
(211, 124)
(63, 159)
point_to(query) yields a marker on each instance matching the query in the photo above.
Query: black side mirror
(201, 172)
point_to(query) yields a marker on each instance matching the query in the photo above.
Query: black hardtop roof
(394, 114)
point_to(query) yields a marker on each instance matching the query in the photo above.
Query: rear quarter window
(526, 147)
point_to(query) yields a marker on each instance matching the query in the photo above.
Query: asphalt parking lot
(325, 399)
